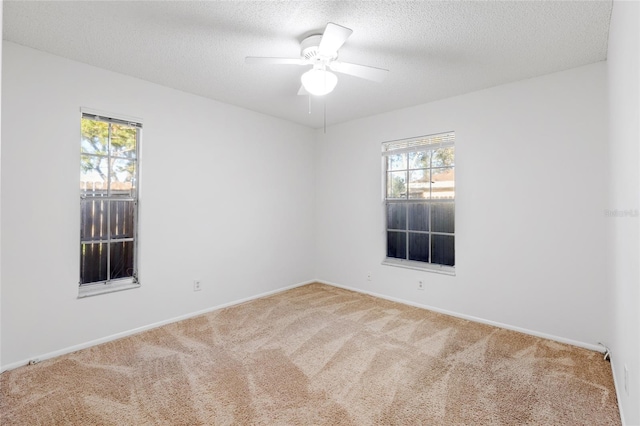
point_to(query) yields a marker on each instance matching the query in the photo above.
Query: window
(108, 204)
(420, 202)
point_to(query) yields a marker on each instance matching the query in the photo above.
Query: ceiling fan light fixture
(319, 82)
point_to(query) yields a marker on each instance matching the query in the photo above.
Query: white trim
(618, 390)
(420, 266)
(435, 141)
(137, 330)
(596, 348)
(592, 347)
(111, 115)
(88, 290)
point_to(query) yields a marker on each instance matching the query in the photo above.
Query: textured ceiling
(433, 49)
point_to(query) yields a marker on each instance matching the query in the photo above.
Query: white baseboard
(126, 333)
(145, 327)
(116, 336)
(589, 346)
(618, 392)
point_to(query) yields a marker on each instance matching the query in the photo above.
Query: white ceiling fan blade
(303, 91)
(362, 71)
(333, 38)
(274, 61)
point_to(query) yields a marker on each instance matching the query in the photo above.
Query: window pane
(420, 200)
(122, 215)
(123, 175)
(419, 184)
(443, 217)
(443, 183)
(420, 160)
(396, 216)
(93, 176)
(397, 184)
(443, 157)
(123, 141)
(418, 216)
(419, 247)
(397, 162)
(95, 135)
(442, 250)
(397, 245)
(108, 168)
(122, 260)
(93, 263)
(93, 219)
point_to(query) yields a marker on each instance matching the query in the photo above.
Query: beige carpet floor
(316, 355)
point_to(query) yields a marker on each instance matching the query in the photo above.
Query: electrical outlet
(626, 379)
(420, 285)
(196, 285)
(368, 276)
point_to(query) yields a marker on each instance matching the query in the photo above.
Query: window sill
(420, 266)
(102, 288)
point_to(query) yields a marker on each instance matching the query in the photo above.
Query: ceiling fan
(321, 51)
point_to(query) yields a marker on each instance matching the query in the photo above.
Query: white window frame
(119, 284)
(422, 143)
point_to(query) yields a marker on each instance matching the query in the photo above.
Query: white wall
(624, 137)
(531, 184)
(227, 197)
(219, 204)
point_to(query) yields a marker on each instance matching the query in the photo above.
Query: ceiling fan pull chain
(324, 102)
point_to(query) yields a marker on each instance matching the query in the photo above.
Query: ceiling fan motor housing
(309, 49)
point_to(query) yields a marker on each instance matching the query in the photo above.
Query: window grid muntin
(407, 231)
(132, 197)
(407, 146)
